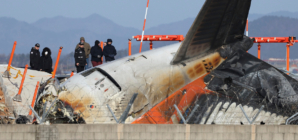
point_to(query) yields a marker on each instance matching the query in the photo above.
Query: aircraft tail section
(213, 28)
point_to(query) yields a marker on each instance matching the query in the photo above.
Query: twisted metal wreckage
(208, 78)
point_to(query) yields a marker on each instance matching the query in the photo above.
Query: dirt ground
(3, 108)
(2, 99)
(4, 113)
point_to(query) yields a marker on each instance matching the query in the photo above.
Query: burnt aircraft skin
(152, 85)
(239, 80)
(227, 40)
(254, 82)
(205, 70)
(246, 80)
(219, 23)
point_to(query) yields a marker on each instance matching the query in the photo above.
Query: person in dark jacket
(34, 57)
(80, 58)
(87, 49)
(96, 54)
(45, 62)
(109, 51)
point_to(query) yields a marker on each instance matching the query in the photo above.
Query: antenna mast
(144, 27)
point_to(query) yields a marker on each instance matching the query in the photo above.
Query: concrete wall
(147, 132)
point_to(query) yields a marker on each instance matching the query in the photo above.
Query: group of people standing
(81, 55)
(83, 51)
(43, 62)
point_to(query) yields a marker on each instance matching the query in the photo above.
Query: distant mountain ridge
(94, 23)
(253, 16)
(62, 31)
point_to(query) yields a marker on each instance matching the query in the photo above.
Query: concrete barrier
(147, 132)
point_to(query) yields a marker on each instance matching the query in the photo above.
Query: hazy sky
(129, 13)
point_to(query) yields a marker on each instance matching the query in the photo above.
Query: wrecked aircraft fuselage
(210, 68)
(218, 82)
(88, 92)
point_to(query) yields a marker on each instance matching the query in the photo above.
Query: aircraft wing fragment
(213, 28)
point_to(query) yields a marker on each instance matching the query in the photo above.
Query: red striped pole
(129, 47)
(11, 55)
(18, 97)
(71, 74)
(57, 62)
(288, 57)
(34, 98)
(259, 50)
(144, 26)
(247, 27)
(101, 45)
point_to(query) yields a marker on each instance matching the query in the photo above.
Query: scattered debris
(22, 120)
(2, 99)
(3, 108)
(4, 112)
(262, 123)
